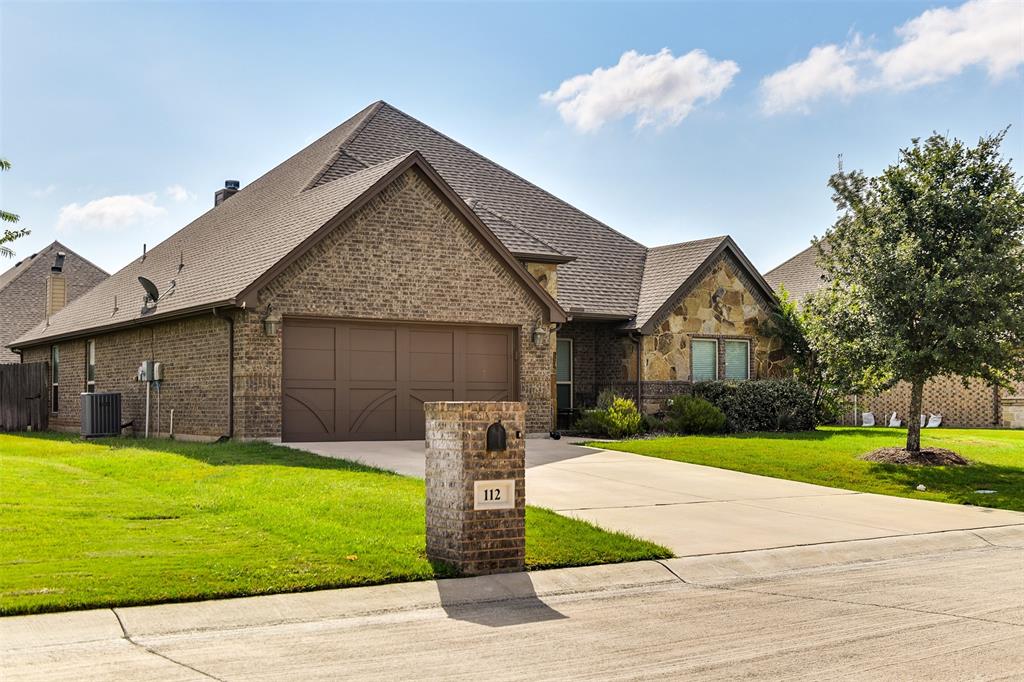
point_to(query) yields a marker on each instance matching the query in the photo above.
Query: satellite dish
(151, 290)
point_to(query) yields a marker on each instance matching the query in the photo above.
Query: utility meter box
(147, 370)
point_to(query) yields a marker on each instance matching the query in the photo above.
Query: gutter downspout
(638, 340)
(231, 370)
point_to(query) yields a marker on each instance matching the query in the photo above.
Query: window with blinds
(704, 355)
(737, 360)
(563, 374)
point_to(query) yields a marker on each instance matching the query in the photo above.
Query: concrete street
(942, 606)
(695, 509)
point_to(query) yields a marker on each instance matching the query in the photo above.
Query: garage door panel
(310, 410)
(385, 372)
(488, 394)
(372, 365)
(372, 410)
(309, 353)
(372, 338)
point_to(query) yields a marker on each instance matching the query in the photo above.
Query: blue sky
(121, 120)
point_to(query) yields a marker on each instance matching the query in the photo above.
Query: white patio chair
(934, 421)
(895, 421)
(924, 420)
(867, 419)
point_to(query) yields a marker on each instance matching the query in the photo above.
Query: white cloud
(179, 193)
(934, 46)
(109, 213)
(656, 89)
(828, 70)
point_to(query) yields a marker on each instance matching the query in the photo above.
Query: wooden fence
(24, 396)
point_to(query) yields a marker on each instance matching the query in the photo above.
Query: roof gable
(672, 271)
(607, 267)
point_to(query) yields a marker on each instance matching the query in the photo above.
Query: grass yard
(120, 522)
(829, 456)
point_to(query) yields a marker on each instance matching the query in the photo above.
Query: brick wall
(974, 406)
(405, 256)
(23, 300)
(193, 352)
(602, 358)
(474, 541)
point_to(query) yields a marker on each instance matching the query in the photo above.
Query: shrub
(624, 418)
(689, 414)
(618, 419)
(766, 405)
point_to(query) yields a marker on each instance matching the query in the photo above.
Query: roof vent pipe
(222, 195)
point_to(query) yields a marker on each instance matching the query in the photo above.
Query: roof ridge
(719, 238)
(367, 114)
(516, 225)
(510, 172)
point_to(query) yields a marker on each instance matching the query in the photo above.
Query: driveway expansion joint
(148, 650)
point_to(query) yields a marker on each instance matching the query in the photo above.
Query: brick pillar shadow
(495, 602)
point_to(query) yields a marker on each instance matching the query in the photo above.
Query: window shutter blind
(737, 360)
(705, 360)
(563, 361)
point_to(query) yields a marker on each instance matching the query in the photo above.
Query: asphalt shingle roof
(225, 250)
(801, 274)
(666, 269)
(603, 278)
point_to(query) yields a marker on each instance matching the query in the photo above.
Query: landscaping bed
(120, 522)
(832, 456)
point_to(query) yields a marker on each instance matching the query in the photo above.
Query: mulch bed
(931, 457)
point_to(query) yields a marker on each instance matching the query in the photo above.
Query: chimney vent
(222, 195)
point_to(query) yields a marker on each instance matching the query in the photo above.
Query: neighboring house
(386, 265)
(39, 286)
(976, 405)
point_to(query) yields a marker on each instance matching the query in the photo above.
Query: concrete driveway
(695, 509)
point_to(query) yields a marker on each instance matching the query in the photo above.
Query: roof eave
(18, 345)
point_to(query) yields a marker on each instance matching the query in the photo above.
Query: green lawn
(119, 522)
(829, 456)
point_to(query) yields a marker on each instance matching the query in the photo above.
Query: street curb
(755, 563)
(35, 631)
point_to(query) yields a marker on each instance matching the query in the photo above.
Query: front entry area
(352, 380)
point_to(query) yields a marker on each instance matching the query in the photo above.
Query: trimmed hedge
(764, 405)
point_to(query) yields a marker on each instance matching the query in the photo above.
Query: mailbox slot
(496, 438)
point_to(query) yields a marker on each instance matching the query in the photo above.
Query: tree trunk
(914, 418)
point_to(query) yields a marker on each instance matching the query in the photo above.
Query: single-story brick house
(386, 265)
(38, 286)
(977, 404)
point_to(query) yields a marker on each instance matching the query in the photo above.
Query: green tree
(925, 271)
(8, 235)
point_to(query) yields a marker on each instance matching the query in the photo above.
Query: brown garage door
(368, 381)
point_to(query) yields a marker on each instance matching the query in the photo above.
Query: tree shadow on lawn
(229, 453)
(960, 483)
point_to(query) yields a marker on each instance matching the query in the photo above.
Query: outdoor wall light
(539, 336)
(271, 327)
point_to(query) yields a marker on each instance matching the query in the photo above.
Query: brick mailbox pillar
(476, 490)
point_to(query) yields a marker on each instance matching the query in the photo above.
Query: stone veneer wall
(193, 352)
(724, 305)
(974, 406)
(405, 256)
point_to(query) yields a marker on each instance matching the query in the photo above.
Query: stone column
(476, 498)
